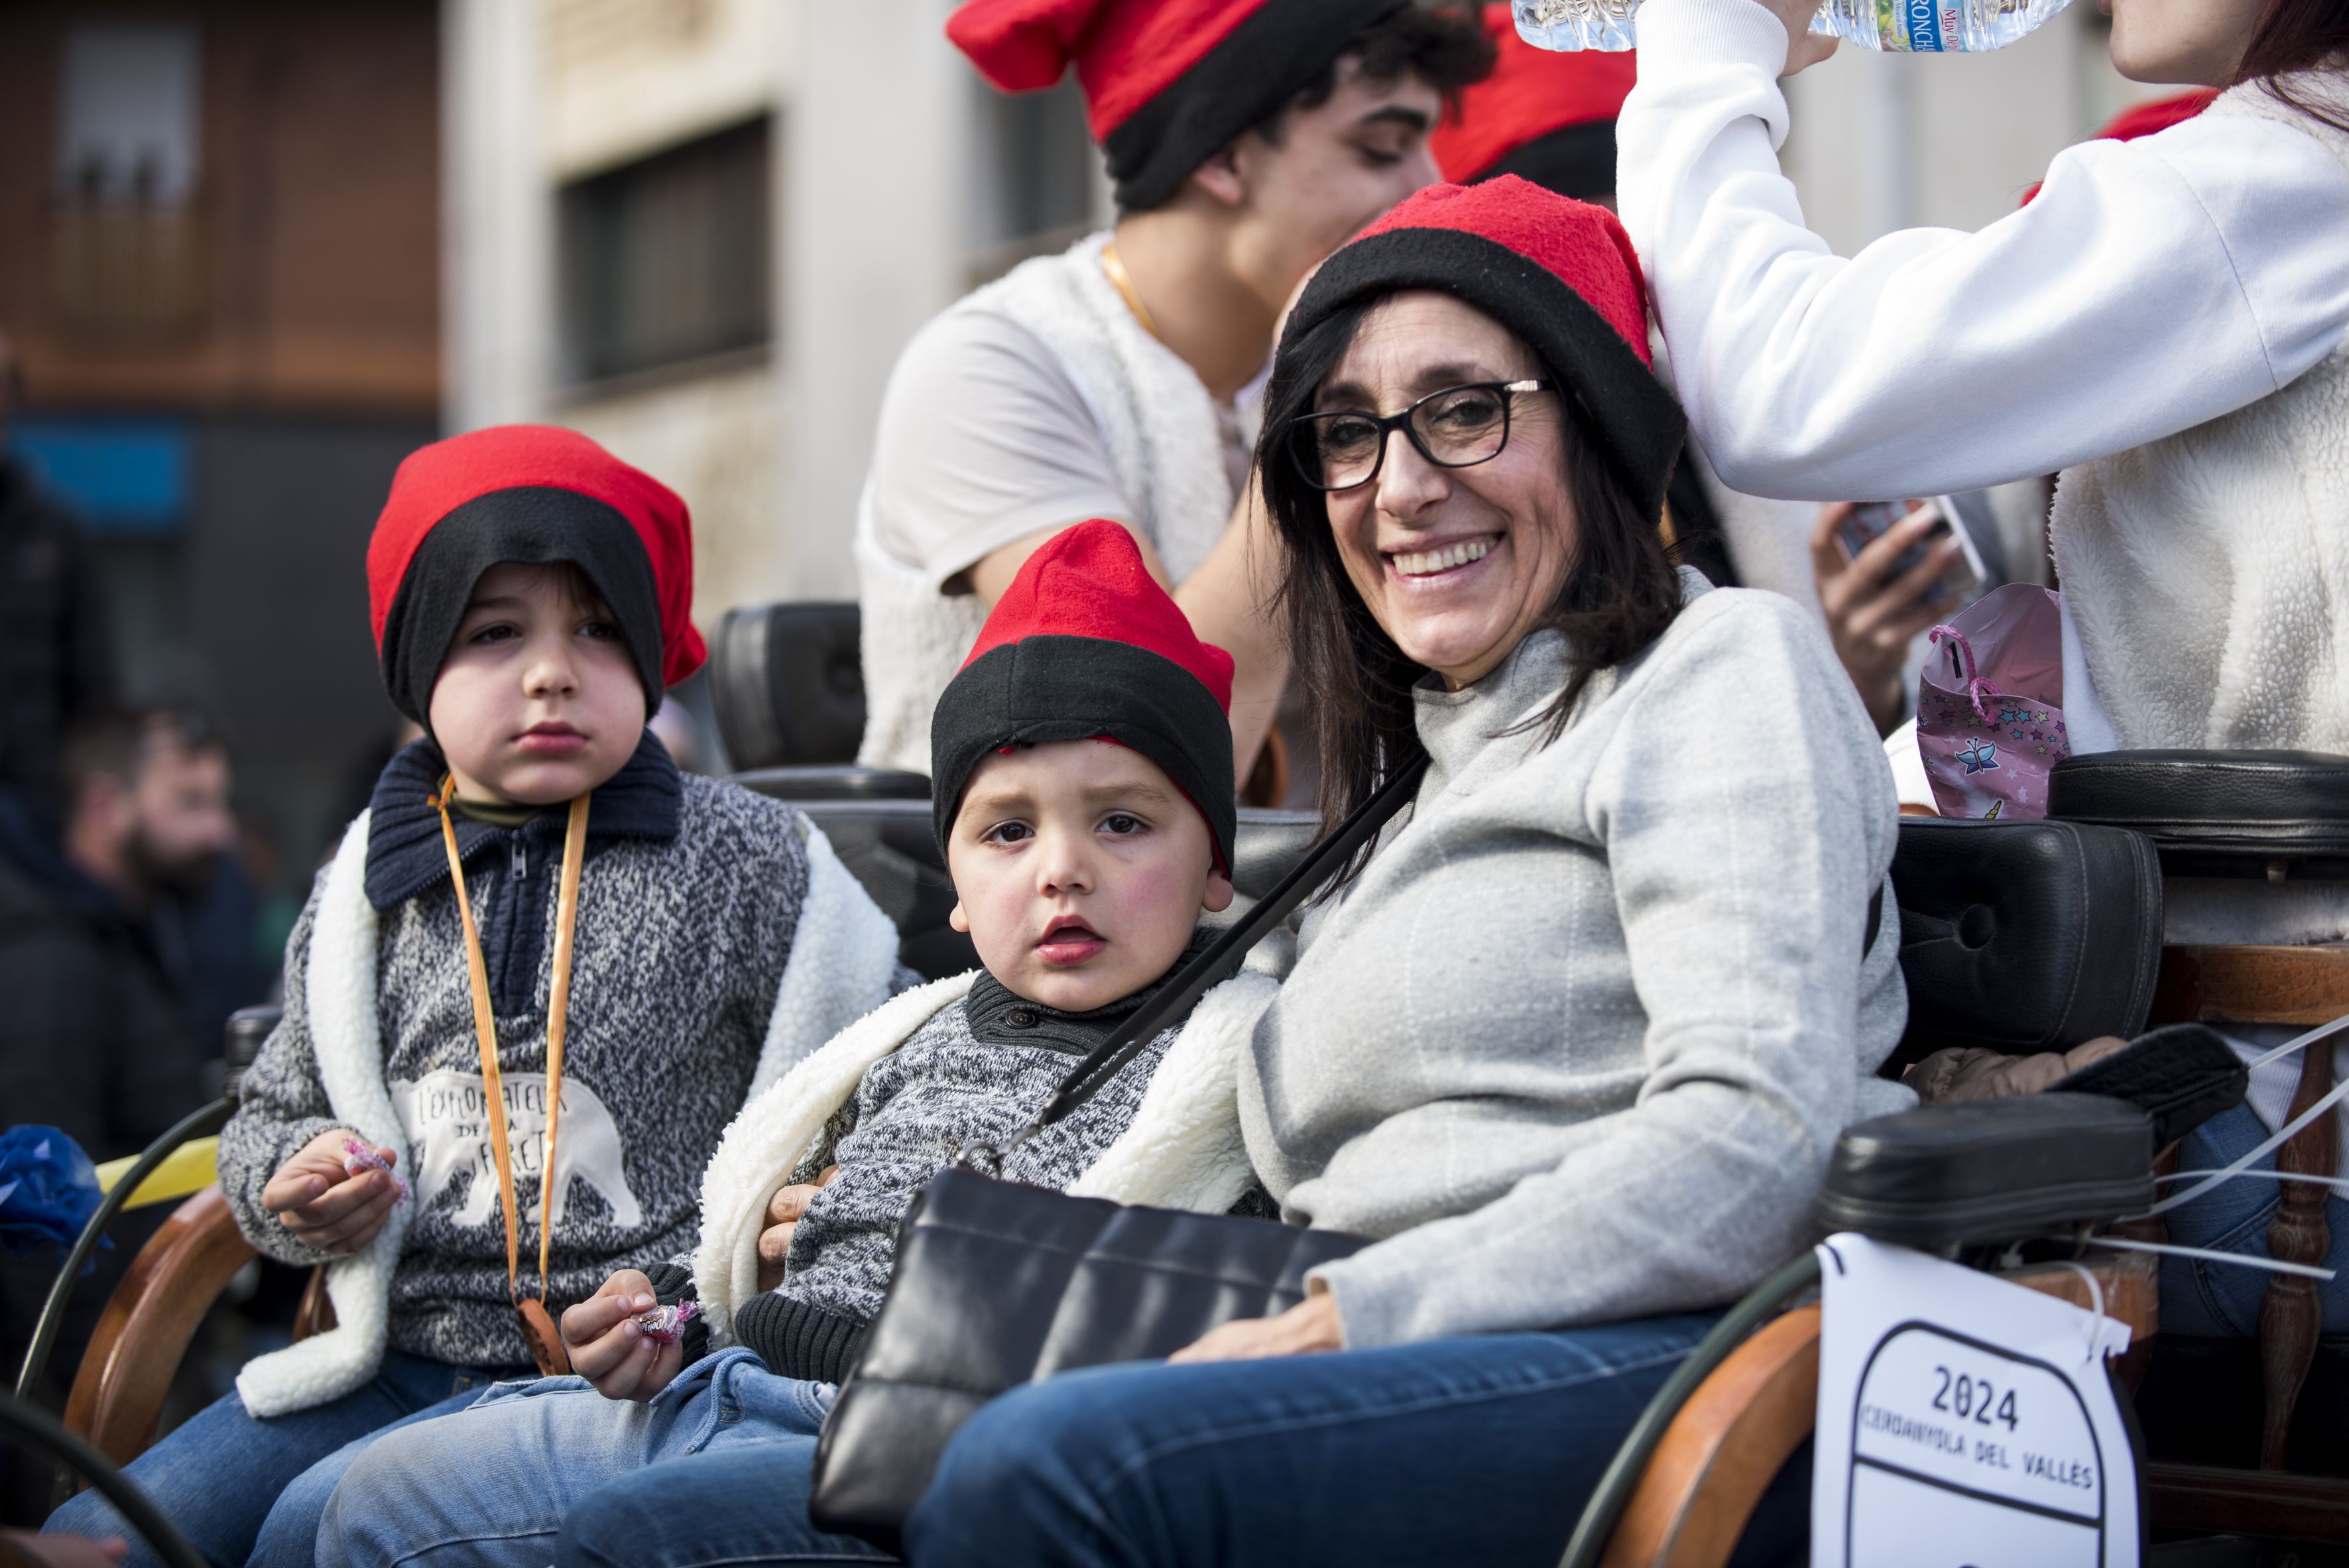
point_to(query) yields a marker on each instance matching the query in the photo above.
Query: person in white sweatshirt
(2163, 326)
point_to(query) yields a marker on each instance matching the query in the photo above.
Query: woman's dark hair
(1620, 594)
(2298, 36)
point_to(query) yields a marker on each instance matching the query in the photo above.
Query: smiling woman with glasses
(1570, 1043)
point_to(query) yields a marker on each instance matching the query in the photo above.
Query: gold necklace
(1114, 268)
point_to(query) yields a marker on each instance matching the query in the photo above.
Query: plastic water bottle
(1910, 26)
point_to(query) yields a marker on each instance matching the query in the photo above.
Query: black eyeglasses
(1457, 427)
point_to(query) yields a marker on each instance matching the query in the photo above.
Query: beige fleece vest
(2208, 573)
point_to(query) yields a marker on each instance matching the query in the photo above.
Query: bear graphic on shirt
(446, 1117)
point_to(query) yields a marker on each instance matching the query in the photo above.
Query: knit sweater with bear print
(689, 902)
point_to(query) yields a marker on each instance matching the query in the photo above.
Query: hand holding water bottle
(1908, 26)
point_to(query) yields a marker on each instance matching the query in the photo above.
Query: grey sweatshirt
(1578, 1042)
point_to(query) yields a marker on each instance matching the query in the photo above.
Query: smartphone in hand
(1870, 518)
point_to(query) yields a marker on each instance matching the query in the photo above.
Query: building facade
(222, 286)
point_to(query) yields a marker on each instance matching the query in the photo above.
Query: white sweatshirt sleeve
(2151, 286)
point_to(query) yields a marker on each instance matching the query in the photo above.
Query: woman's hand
(783, 1211)
(323, 1206)
(1803, 49)
(609, 1346)
(1872, 621)
(1309, 1326)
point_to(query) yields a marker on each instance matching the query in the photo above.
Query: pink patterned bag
(1990, 705)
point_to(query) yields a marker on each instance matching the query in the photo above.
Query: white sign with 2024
(1964, 1422)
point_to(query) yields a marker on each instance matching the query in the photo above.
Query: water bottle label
(1931, 26)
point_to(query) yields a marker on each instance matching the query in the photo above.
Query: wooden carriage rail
(119, 1391)
(117, 1395)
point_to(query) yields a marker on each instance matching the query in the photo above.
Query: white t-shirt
(986, 437)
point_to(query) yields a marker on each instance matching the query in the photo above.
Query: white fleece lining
(1181, 1150)
(340, 991)
(843, 954)
(766, 1141)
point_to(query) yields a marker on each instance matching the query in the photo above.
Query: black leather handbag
(998, 1284)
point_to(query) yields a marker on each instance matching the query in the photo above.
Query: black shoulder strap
(1215, 965)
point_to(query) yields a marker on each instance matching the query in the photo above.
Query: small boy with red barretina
(542, 948)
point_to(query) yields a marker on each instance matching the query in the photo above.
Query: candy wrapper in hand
(48, 1190)
(665, 1324)
(358, 1157)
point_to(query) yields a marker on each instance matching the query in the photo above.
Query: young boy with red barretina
(541, 949)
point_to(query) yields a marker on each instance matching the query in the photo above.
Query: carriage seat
(2024, 936)
(786, 685)
(2217, 813)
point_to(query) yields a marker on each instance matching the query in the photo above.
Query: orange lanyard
(538, 1329)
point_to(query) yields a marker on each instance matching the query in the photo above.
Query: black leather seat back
(2024, 936)
(834, 781)
(890, 848)
(248, 1029)
(787, 684)
(2217, 813)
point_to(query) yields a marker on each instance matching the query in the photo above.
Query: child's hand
(783, 1211)
(325, 1207)
(609, 1346)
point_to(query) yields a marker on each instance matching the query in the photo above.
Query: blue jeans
(1476, 1449)
(716, 1459)
(2220, 1300)
(241, 1488)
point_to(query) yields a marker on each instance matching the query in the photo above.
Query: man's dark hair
(1444, 44)
(116, 743)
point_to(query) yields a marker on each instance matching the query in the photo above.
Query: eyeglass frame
(1388, 424)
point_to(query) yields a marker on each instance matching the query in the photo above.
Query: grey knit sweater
(688, 904)
(976, 1073)
(1578, 1043)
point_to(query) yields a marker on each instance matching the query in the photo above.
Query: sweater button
(1021, 1018)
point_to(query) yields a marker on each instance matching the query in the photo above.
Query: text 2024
(1970, 1399)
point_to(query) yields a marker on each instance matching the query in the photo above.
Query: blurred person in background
(1246, 141)
(56, 663)
(95, 1037)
